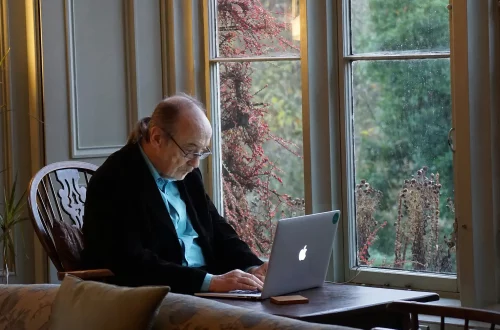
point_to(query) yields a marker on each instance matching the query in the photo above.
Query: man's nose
(195, 162)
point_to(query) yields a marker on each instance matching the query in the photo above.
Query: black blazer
(128, 229)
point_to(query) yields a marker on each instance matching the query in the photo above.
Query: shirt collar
(154, 172)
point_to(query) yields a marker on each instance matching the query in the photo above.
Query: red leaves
(246, 28)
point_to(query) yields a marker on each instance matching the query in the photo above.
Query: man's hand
(260, 271)
(235, 280)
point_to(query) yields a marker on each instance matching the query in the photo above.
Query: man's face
(193, 134)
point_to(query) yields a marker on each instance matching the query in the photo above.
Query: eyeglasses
(192, 155)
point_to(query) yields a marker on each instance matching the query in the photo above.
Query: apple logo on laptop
(302, 253)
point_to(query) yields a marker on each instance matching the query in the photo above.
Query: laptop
(299, 257)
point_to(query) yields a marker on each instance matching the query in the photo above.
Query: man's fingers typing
(261, 278)
(255, 283)
(243, 286)
(235, 280)
(254, 278)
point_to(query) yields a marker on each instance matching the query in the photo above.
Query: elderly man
(149, 219)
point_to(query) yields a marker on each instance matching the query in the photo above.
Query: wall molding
(131, 60)
(6, 118)
(164, 47)
(36, 111)
(167, 25)
(6, 115)
(77, 150)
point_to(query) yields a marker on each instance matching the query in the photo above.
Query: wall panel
(101, 70)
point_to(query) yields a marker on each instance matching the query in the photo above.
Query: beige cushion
(92, 305)
(26, 307)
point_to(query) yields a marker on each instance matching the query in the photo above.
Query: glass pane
(403, 165)
(263, 170)
(399, 25)
(258, 28)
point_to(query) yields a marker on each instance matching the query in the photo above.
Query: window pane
(263, 171)
(258, 28)
(399, 25)
(403, 165)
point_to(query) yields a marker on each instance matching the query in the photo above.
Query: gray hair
(165, 116)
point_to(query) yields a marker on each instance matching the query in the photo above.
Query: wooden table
(350, 305)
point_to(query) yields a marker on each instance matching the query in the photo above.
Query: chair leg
(406, 322)
(414, 321)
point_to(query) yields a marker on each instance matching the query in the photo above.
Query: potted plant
(11, 213)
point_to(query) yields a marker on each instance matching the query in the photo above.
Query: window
(396, 65)
(255, 72)
(396, 116)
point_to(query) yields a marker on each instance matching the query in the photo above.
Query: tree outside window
(401, 110)
(260, 92)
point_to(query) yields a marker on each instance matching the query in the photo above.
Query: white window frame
(445, 284)
(329, 187)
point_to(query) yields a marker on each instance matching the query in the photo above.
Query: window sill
(446, 298)
(444, 284)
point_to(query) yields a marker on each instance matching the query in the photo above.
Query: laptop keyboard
(245, 291)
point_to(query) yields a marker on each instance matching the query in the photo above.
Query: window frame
(338, 177)
(446, 284)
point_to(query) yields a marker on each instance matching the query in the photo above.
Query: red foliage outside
(246, 28)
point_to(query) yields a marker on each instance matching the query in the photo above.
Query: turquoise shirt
(193, 256)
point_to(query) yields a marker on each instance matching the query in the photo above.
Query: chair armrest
(90, 274)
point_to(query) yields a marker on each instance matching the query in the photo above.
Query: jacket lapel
(195, 221)
(151, 195)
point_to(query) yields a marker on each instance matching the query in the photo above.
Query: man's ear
(155, 136)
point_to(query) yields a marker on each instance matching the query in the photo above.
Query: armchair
(56, 203)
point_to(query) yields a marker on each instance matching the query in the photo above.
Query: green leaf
(18, 220)
(19, 207)
(11, 252)
(11, 216)
(12, 196)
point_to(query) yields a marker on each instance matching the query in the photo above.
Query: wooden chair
(413, 309)
(56, 205)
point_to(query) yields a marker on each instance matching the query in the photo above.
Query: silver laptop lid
(300, 253)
